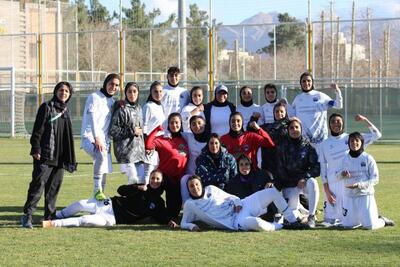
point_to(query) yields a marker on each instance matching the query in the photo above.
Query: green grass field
(151, 244)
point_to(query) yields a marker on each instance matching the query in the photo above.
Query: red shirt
(248, 144)
(173, 153)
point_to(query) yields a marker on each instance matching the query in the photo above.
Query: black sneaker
(297, 225)
(26, 221)
(388, 222)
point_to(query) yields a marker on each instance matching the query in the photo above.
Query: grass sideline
(156, 245)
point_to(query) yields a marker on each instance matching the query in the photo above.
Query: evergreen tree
(287, 35)
(197, 39)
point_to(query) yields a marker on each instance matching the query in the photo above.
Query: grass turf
(154, 245)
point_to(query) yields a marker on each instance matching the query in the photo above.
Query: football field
(153, 245)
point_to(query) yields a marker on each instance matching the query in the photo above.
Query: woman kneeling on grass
(222, 210)
(135, 203)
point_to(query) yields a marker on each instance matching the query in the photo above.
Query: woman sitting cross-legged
(222, 210)
(135, 203)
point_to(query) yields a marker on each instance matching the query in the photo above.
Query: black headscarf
(245, 103)
(271, 86)
(127, 86)
(61, 106)
(109, 77)
(329, 123)
(195, 88)
(201, 137)
(235, 134)
(280, 104)
(195, 177)
(298, 140)
(175, 114)
(355, 154)
(150, 97)
(312, 79)
(69, 159)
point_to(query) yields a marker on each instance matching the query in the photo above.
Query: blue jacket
(216, 171)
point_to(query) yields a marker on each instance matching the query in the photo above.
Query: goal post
(8, 84)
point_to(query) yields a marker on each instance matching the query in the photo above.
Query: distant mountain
(255, 36)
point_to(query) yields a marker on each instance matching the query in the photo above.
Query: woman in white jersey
(311, 107)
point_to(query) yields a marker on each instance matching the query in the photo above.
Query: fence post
(40, 82)
(210, 62)
(121, 62)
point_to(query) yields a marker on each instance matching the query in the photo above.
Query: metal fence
(232, 56)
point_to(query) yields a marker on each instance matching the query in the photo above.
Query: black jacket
(52, 136)
(135, 204)
(245, 186)
(296, 160)
(278, 132)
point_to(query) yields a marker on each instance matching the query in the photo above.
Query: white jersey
(363, 172)
(247, 112)
(174, 99)
(195, 148)
(153, 116)
(333, 150)
(96, 117)
(219, 120)
(267, 111)
(216, 208)
(186, 116)
(311, 108)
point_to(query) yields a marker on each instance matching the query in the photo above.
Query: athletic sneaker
(99, 195)
(388, 222)
(47, 224)
(311, 221)
(297, 225)
(26, 221)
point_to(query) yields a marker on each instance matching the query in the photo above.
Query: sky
(235, 11)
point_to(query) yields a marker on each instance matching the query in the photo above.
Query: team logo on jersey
(106, 202)
(315, 99)
(152, 206)
(182, 149)
(363, 164)
(209, 195)
(246, 148)
(346, 142)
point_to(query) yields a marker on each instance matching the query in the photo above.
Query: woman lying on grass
(222, 210)
(137, 201)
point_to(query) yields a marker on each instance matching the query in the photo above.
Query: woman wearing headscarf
(173, 153)
(52, 152)
(219, 209)
(311, 107)
(297, 168)
(277, 130)
(217, 112)
(195, 107)
(248, 109)
(237, 141)
(215, 165)
(127, 134)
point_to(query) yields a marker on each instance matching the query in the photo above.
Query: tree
(98, 13)
(197, 39)
(287, 35)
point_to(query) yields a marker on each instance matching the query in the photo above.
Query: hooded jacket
(128, 147)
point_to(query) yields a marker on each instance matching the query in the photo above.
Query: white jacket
(216, 208)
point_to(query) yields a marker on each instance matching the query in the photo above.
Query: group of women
(225, 165)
